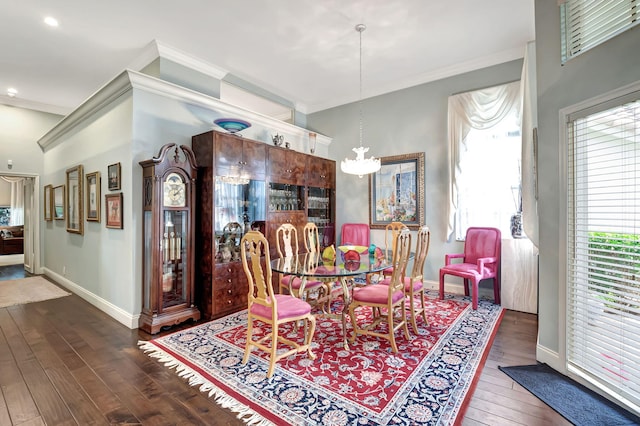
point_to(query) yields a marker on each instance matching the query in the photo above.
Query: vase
(516, 225)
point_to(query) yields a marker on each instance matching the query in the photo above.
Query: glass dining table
(311, 266)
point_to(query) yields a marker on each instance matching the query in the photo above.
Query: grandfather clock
(168, 205)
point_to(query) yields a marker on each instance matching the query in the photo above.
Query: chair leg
(474, 294)
(496, 290)
(424, 311)
(466, 287)
(413, 312)
(274, 350)
(392, 337)
(311, 321)
(442, 285)
(247, 346)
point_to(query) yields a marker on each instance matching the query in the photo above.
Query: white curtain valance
(478, 109)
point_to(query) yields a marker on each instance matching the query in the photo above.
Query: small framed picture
(93, 196)
(113, 172)
(48, 202)
(75, 199)
(58, 202)
(113, 210)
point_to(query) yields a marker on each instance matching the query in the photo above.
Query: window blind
(603, 244)
(588, 23)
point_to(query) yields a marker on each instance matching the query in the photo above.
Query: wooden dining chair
(287, 246)
(391, 230)
(387, 299)
(413, 284)
(312, 246)
(269, 308)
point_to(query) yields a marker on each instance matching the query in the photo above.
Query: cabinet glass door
(174, 258)
(320, 211)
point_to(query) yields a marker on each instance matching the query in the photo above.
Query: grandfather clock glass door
(168, 205)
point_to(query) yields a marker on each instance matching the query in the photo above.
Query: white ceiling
(306, 51)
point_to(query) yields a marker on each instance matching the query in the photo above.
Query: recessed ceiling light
(12, 92)
(52, 22)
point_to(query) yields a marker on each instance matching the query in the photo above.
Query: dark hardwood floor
(64, 362)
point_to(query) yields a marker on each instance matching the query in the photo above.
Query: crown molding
(128, 80)
(157, 49)
(36, 106)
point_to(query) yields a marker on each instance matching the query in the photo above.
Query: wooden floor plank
(100, 375)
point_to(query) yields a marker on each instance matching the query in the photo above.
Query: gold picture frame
(92, 182)
(396, 191)
(58, 202)
(75, 200)
(48, 202)
(113, 210)
(113, 176)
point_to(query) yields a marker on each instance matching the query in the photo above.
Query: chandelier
(361, 165)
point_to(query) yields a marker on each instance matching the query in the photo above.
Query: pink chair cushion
(288, 307)
(467, 270)
(417, 286)
(376, 294)
(297, 282)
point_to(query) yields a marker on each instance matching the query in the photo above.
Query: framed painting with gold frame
(396, 191)
(58, 202)
(48, 202)
(93, 196)
(113, 210)
(75, 200)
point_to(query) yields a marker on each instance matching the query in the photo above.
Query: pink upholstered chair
(480, 261)
(356, 234)
(386, 301)
(269, 308)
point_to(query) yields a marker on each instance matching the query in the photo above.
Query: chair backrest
(390, 233)
(287, 240)
(400, 259)
(356, 234)
(311, 238)
(482, 242)
(423, 240)
(256, 263)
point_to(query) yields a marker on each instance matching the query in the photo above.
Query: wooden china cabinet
(242, 185)
(168, 200)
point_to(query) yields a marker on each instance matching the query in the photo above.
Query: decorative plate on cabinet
(232, 125)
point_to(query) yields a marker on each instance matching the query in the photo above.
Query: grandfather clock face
(174, 191)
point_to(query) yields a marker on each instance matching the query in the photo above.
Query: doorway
(31, 235)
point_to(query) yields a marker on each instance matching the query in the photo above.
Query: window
(5, 216)
(489, 191)
(485, 145)
(603, 246)
(588, 23)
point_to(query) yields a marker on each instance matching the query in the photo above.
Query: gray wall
(403, 122)
(614, 64)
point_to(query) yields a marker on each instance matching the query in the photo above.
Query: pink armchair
(480, 261)
(356, 234)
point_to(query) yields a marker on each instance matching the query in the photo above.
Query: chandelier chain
(360, 28)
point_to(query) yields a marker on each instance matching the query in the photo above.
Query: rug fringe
(195, 379)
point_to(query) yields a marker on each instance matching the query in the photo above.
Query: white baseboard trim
(549, 357)
(124, 318)
(456, 288)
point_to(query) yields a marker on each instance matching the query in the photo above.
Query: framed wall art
(113, 210)
(75, 218)
(396, 191)
(113, 173)
(93, 196)
(48, 202)
(58, 202)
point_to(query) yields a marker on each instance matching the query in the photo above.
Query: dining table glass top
(313, 265)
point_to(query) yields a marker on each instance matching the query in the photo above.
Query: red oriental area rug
(427, 382)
